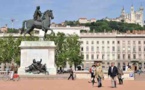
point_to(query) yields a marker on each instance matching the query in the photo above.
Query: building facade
(123, 49)
(85, 20)
(132, 17)
(66, 30)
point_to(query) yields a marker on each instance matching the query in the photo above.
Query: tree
(73, 51)
(60, 54)
(9, 48)
(67, 49)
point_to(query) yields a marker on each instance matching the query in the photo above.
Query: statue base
(37, 50)
(51, 71)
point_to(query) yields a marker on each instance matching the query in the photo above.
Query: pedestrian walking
(139, 70)
(92, 71)
(120, 73)
(12, 69)
(71, 74)
(99, 74)
(113, 72)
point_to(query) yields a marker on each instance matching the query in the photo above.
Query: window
(97, 42)
(108, 63)
(118, 48)
(133, 42)
(81, 48)
(81, 42)
(139, 56)
(92, 48)
(118, 56)
(113, 56)
(108, 56)
(118, 65)
(102, 42)
(134, 49)
(139, 48)
(144, 42)
(128, 56)
(134, 56)
(113, 42)
(123, 56)
(144, 48)
(92, 57)
(113, 48)
(87, 48)
(123, 42)
(102, 48)
(128, 42)
(118, 42)
(123, 48)
(87, 42)
(92, 42)
(139, 42)
(108, 48)
(103, 56)
(97, 49)
(97, 56)
(128, 48)
(87, 56)
(107, 42)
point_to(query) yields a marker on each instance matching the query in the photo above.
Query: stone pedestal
(37, 50)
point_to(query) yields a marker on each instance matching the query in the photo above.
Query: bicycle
(7, 77)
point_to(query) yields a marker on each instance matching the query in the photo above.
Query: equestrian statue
(39, 21)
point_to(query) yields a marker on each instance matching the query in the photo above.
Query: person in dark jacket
(71, 74)
(113, 72)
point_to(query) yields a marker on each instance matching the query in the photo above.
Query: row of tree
(108, 26)
(9, 48)
(67, 48)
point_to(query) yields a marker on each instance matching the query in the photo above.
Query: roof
(82, 18)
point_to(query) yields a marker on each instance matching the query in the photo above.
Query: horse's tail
(23, 27)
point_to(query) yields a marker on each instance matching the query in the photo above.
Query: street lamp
(12, 20)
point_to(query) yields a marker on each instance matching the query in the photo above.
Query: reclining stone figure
(37, 67)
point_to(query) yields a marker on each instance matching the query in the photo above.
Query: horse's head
(49, 13)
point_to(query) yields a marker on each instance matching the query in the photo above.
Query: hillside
(108, 26)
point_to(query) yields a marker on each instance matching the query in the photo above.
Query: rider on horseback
(37, 15)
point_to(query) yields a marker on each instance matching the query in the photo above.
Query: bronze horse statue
(44, 24)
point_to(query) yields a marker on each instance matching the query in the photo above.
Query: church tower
(123, 14)
(141, 9)
(132, 15)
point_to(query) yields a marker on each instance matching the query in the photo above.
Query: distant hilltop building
(85, 20)
(4, 29)
(132, 17)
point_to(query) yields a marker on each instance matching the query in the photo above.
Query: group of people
(10, 68)
(96, 72)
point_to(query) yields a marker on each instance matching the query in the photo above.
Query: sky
(21, 10)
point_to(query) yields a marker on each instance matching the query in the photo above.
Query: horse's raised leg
(29, 31)
(45, 34)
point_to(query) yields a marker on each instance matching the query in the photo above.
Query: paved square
(34, 84)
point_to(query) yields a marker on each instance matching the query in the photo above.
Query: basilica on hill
(132, 17)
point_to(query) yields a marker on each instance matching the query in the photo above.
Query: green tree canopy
(103, 25)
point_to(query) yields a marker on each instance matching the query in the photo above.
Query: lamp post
(12, 20)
